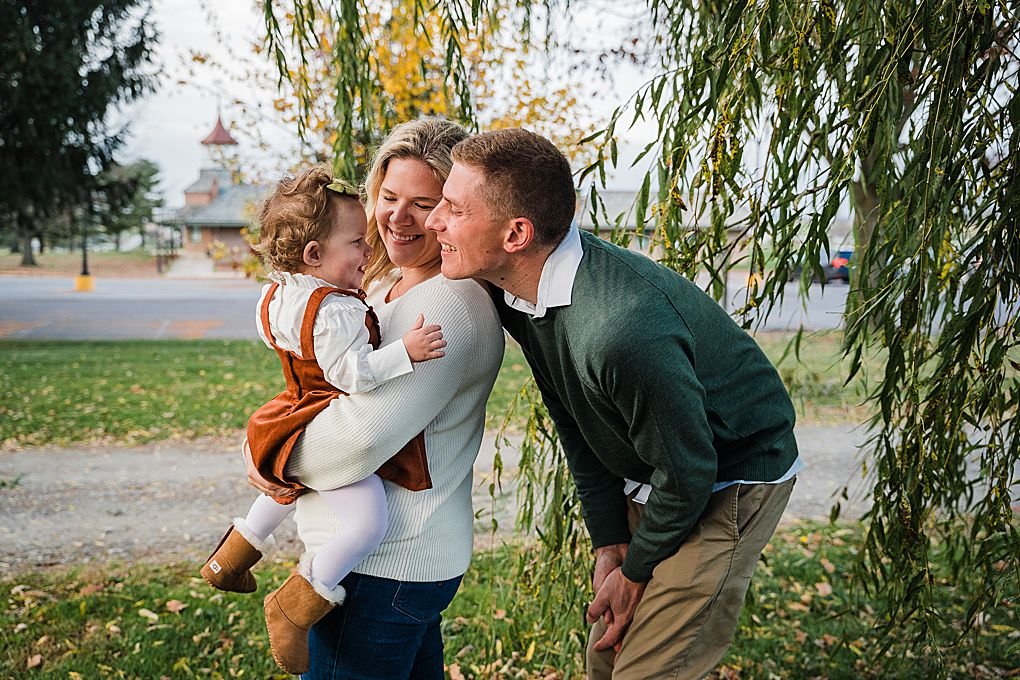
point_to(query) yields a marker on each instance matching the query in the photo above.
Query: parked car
(836, 269)
(839, 268)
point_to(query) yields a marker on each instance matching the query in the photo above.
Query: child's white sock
(265, 515)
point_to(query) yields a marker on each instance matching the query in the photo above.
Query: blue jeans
(385, 630)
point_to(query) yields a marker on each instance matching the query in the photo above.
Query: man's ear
(312, 254)
(520, 234)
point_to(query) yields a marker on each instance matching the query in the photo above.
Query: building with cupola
(217, 207)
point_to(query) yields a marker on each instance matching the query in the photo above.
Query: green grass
(63, 393)
(815, 375)
(144, 621)
(124, 264)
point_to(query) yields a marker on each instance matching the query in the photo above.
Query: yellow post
(84, 283)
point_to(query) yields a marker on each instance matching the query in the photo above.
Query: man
(666, 410)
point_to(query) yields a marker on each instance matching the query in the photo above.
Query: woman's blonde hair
(428, 140)
(300, 210)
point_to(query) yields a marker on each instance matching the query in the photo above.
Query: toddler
(312, 234)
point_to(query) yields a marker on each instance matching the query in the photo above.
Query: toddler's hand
(424, 342)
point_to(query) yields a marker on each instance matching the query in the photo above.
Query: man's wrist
(619, 549)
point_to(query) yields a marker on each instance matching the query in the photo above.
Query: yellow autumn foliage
(409, 62)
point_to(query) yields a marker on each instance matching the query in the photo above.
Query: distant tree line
(65, 66)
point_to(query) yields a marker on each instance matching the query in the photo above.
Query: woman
(389, 625)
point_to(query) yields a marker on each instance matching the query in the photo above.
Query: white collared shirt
(340, 338)
(555, 286)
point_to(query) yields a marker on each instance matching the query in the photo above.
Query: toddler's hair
(300, 210)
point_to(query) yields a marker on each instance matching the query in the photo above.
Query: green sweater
(647, 378)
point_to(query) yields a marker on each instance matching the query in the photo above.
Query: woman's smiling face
(408, 193)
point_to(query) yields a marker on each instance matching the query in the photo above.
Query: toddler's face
(345, 253)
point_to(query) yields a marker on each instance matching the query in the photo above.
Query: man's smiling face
(471, 240)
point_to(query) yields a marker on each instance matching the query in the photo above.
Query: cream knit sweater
(430, 532)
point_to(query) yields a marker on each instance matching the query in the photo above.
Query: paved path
(171, 501)
(39, 308)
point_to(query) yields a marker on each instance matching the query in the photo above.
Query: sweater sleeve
(603, 505)
(362, 431)
(655, 388)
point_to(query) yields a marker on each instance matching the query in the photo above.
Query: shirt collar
(556, 283)
(298, 280)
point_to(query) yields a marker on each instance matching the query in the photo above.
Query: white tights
(361, 509)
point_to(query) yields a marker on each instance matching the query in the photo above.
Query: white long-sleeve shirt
(430, 532)
(339, 337)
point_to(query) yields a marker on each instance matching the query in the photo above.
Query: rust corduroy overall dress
(275, 427)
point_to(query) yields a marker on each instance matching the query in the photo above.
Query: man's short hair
(525, 176)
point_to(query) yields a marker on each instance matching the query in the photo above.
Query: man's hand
(616, 596)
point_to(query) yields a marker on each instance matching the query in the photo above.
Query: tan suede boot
(229, 567)
(291, 610)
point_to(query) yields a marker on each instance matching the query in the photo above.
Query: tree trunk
(26, 232)
(866, 210)
(27, 256)
(116, 242)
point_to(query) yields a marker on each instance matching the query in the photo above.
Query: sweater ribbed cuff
(636, 572)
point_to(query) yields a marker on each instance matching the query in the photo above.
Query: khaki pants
(688, 613)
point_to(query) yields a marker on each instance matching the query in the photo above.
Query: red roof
(219, 135)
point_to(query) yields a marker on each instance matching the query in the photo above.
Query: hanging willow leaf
(903, 114)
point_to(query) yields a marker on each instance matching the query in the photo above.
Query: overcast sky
(168, 125)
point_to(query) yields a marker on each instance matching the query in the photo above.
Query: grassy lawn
(129, 264)
(144, 621)
(64, 393)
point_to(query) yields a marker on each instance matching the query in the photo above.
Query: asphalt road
(38, 308)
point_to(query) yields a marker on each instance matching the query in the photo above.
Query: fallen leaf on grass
(824, 589)
(91, 589)
(828, 566)
(454, 671)
(20, 627)
(176, 606)
(150, 615)
(34, 661)
(827, 641)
